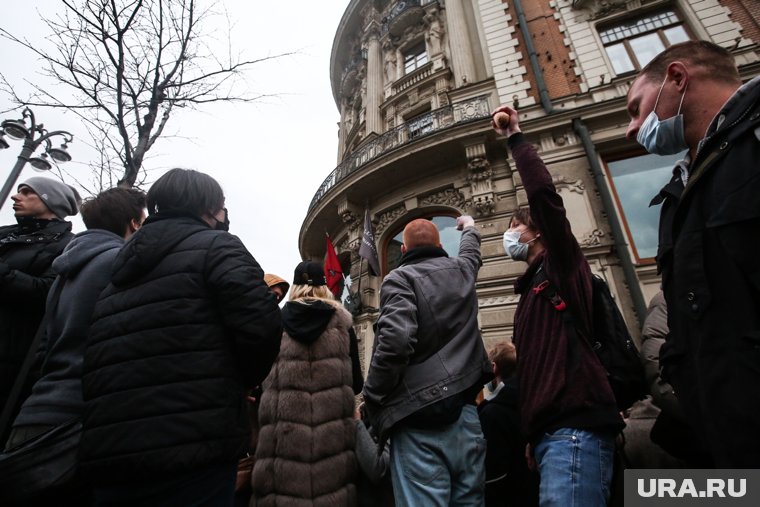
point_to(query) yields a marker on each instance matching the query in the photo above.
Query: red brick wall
(553, 55)
(747, 14)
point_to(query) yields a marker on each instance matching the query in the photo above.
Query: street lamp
(17, 130)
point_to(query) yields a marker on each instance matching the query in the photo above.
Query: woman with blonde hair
(305, 452)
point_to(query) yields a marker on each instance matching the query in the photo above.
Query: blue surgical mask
(516, 249)
(663, 137)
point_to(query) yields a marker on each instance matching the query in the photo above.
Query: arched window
(447, 225)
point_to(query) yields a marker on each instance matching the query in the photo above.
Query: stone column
(374, 78)
(459, 43)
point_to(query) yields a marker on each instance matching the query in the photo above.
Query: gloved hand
(465, 221)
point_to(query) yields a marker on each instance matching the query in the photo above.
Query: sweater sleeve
(546, 207)
(373, 463)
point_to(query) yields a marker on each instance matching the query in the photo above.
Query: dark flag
(368, 249)
(333, 271)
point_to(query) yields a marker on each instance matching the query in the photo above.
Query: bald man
(427, 367)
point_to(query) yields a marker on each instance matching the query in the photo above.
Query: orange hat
(272, 280)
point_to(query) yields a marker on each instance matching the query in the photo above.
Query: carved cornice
(387, 218)
(449, 197)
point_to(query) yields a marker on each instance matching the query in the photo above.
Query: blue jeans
(442, 466)
(575, 468)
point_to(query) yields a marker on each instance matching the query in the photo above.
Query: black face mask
(223, 226)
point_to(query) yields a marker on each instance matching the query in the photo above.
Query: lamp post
(33, 136)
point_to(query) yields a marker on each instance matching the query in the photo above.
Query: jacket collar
(422, 253)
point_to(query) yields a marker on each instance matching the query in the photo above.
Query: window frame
(623, 218)
(415, 51)
(625, 41)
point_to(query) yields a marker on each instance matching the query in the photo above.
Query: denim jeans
(575, 468)
(439, 467)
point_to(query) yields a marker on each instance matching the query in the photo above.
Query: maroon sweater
(562, 383)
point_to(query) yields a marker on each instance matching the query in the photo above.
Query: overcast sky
(270, 157)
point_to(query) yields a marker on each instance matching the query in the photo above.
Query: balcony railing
(422, 126)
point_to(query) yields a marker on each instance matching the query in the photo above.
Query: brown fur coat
(305, 454)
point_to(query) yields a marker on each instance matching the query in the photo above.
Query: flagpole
(359, 290)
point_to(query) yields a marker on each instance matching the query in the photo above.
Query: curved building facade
(415, 81)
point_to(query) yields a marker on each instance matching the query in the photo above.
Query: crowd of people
(146, 361)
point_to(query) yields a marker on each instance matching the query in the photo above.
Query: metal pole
(23, 158)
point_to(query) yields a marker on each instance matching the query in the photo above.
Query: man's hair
(504, 355)
(522, 215)
(421, 232)
(716, 60)
(185, 191)
(113, 209)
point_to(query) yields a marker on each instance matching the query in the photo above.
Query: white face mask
(514, 247)
(663, 137)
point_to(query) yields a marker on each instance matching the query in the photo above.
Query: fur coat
(305, 454)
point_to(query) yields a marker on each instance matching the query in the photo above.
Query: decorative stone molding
(594, 238)
(353, 247)
(349, 218)
(498, 301)
(480, 177)
(601, 8)
(449, 197)
(576, 186)
(387, 218)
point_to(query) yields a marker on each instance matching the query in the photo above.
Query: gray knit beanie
(60, 198)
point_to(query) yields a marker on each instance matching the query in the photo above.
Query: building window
(415, 58)
(635, 181)
(420, 125)
(633, 43)
(449, 240)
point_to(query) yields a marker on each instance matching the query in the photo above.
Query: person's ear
(678, 73)
(403, 249)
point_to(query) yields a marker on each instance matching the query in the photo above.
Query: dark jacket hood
(83, 248)
(306, 321)
(155, 239)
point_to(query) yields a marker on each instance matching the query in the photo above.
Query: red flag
(333, 271)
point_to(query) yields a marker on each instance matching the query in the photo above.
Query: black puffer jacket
(186, 324)
(27, 251)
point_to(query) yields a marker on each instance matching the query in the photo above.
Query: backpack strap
(544, 288)
(541, 285)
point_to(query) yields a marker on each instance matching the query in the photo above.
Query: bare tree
(130, 63)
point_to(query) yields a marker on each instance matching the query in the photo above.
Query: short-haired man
(690, 97)
(83, 269)
(427, 367)
(27, 250)
(568, 410)
(509, 481)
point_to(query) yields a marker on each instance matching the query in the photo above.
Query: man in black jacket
(690, 97)
(27, 250)
(427, 366)
(186, 326)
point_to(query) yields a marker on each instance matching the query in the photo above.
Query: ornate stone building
(415, 81)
